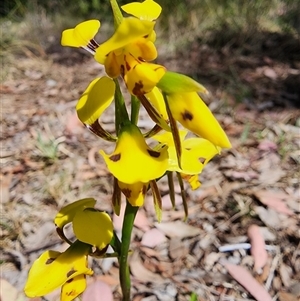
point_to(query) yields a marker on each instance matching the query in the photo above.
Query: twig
(245, 246)
(272, 270)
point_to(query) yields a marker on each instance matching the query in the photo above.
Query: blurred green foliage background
(245, 29)
(236, 13)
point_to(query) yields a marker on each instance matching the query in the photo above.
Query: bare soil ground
(48, 159)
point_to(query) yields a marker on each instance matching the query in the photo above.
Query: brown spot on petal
(127, 66)
(71, 293)
(137, 90)
(202, 160)
(122, 70)
(146, 36)
(127, 192)
(71, 272)
(153, 153)
(50, 260)
(187, 115)
(70, 280)
(115, 157)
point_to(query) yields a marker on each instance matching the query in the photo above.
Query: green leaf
(194, 297)
(173, 82)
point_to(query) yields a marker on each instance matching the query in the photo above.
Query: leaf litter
(249, 197)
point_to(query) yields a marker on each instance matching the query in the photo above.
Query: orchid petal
(133, 160)
(143, 77)
(157, 100)
(190, 110)
(142, 49)
(52, 269)
(196, 152)
(67, 213)
(93, 227)
(73, 288)
(193, 180)
(81, 35)
(135, 193)
(147, 10)
(130, 30)
(95, 99)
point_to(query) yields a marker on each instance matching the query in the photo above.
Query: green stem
(121, 113)
(129, 216)
(135, 108)
(174, 129)
(118, 17)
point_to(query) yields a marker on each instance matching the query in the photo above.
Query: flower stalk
(129, 216)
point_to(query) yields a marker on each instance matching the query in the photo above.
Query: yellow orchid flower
(128, 51)
(53, 269)
(196, 153)
(133, 160)
(68, 269)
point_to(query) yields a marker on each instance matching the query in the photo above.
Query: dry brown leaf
(274, 200)
(258, 247)
(267, 145)
(7, 292)
(118, 219)
(242, 175)
(141, 221)
(271, 176)
(91, 156)
(97, 291)
(295, 288)
(37, 239)
(241, 275)
(140, 272)
(178, 229)
(284, 296)
(5, 182)
(153, 238)
(166, 201)
(285, 274)
(268, 216)
(177, 249)
(108, 279)
(269, 168)
(73, 125)
(270, 73)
